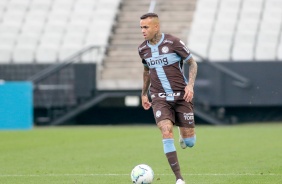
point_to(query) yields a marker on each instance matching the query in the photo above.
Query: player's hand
(145, 102)
(189, 93)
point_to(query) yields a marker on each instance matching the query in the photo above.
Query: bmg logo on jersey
(161, 61)
(188, 116)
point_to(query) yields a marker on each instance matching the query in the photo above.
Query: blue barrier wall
(16, 105)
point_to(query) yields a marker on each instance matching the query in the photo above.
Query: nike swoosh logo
(174, 164)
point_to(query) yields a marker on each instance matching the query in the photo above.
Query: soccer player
(171, 93)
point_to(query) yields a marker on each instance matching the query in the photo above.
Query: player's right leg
(166, 127)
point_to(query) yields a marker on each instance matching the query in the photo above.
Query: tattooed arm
(146, 83)
(189, 89)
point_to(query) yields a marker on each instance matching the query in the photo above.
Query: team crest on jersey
(158, 114)
(165, 49)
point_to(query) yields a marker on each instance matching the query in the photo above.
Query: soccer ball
(142, 174)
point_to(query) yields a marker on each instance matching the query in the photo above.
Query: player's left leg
(187, 137)
(185, 122)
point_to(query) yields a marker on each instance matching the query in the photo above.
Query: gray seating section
(47, 31)
(237, 30)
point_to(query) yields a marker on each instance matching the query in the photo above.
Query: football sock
(168, 145)
(190, 142)
(173, 162)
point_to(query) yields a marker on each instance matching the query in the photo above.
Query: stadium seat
(270, 27)
(98, 38)
(26, 39)
(52, 38)
(58, 17)
(93, 56)
(242, 52)
(3, 4)
(19, 5)
(85, 6)
(80, 18)
(219, 51)
(266, 46)
(248, 27)
(13, 17)
(279, 51)
(67, 50)
(73, 38)
(36, 16)
(34, 28)
(252, 5)
(225, 27)
(244, 38)
(7, 40)
(5, 54)
(40, 5)
(46, 53)
(273, 5)
(265, 52)
(230, 5)
(23, 53)
(64, 5)
(54, 28)
(206, 5)
(110, 4)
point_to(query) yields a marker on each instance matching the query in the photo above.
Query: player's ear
(157, 26)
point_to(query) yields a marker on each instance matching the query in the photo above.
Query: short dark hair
(149, 15)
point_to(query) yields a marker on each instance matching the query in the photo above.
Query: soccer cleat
(180, 181)
(181, 141)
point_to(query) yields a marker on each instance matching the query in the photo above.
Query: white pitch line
(200, 174)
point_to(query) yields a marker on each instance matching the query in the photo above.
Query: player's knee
(166, 128)
(190, 142)
(167, 134)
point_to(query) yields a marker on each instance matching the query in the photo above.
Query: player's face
(149, 28)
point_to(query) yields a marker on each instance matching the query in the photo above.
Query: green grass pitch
(243, 154)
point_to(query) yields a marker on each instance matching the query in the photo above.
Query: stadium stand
(237, 30)
(36, 34)
(48, 31)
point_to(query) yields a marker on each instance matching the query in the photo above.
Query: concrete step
(136, 29)
(122, 67)
(120, 84)
(122, 73)
(159, 3)
(134, 36)
(123, 51)
(161, 7)
(122, 63)
(132, 42)
(172, 14)
(167, 27)
(135, 2)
